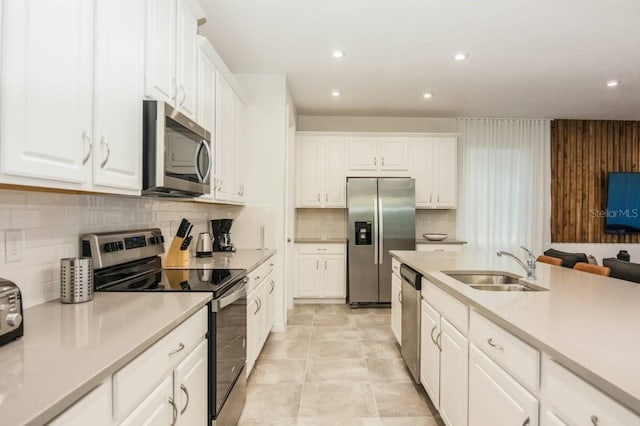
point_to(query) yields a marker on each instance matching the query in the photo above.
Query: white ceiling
(527, 58)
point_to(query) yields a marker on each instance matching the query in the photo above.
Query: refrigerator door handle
(381, 234)
(375, 231)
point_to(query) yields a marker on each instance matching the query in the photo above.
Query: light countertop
(420, 240)
(248, 259)
(586, 322)
(320, 240)
(67, 350)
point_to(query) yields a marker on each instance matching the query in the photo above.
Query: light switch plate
(13, 245)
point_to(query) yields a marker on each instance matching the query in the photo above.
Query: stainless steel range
(130, 261)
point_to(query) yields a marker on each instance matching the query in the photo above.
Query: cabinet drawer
(258, 275)
(456, 312)
(514, 355)
(577, 402)
(395, 267)
(133, 381)
(322, 248)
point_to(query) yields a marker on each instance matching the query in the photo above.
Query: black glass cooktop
(149, 276)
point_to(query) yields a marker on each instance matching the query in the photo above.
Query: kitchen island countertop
(586, 322)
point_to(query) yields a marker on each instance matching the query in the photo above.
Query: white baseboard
(278, 327)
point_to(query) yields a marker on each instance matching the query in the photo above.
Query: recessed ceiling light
(336, 93)
(427, 95)
(613, 83)
(337, 54)
(461, 56)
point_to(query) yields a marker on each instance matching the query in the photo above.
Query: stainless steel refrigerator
(382, 217)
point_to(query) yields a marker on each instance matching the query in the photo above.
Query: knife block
(175, 256)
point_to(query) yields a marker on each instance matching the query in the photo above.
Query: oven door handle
(227, 300)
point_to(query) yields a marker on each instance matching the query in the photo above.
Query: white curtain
(504, 172)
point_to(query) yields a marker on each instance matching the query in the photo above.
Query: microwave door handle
(196, 160)
(209, 159)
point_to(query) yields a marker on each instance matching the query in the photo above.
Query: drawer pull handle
(257, 307)
(175, 351)
(526, 422)
(271, 265)
(186, 393)
(494, 345)
(257, 277)
(175, 411)
(273, 285)
(400, 298)
(439, 341)
(594, 420)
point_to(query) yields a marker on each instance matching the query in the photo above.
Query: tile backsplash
(321, 223)
(51, 224)
(436, 221)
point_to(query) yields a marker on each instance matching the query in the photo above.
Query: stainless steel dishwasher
(410, 325)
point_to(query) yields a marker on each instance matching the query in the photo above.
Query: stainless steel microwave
(177, 156)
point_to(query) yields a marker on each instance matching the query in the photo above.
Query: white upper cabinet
(171, 53)
(46, 97)
(206, 88)
(118, 91)
(321, 175)
(378, 156)
(436, 172)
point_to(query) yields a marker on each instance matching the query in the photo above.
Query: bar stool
(594, 269)
(550, 260)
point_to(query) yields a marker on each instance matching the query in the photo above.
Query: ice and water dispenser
(363, 233)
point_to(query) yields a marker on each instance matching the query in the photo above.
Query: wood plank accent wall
(583, 152)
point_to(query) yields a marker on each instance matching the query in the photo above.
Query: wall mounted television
(623, 204)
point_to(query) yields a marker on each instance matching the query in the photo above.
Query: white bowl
(435, 237)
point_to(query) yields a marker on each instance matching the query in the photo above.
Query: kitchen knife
(189, 230)
(186, 242)
(182, 229)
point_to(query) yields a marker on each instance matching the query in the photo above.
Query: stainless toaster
(11, 326)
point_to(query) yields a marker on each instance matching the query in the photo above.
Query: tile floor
(335, 366)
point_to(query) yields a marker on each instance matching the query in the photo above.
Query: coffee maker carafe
(221, 235)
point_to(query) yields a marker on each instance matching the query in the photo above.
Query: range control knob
(107, 247)
(14, 319)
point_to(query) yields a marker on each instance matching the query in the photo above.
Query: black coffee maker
(221, 230)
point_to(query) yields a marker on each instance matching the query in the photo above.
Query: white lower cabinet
(444, 365)
(321, 271)
(571, 400)
(260, 310)
(93, 409)
(190, 391)
(396, 307)
(158, 408)
(495, 398)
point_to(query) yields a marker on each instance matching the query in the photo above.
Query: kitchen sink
(493, 281)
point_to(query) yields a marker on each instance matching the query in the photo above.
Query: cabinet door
(310, 166)
(271, 303)
(46, 95)
(93, 409)
(454, 364)
(362, 154)
(118, 91)
(190, 387)
(240, 146)
(157, 409)
(160, 51)
(394, 154)
(206, 91)
(445, 172)
(223, 142)
(333, 173)
(396, 307)
(252, 328)
(186, 58)
(429, 352)
(495, 398)
(334, 275)
(424, 173)
(309, 276)
(263, 313)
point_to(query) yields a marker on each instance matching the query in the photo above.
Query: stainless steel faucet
(530, 267)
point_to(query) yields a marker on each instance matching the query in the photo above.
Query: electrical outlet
(13, 245)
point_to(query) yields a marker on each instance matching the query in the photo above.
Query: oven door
(228, 344)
